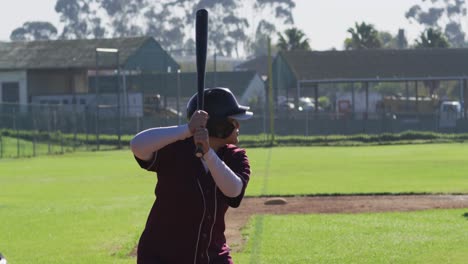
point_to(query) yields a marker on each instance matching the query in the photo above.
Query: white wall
(88, 102)
(256, 89)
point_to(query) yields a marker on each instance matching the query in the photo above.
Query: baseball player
(186, 223)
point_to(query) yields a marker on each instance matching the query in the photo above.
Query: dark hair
(220, 127)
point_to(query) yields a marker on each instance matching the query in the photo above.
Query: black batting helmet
(220, 104)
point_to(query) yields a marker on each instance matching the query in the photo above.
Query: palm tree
(363, 36)
(432, 38)
(293, 39)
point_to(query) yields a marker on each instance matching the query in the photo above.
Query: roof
(377, 64)
(258, 64)
(166, 84)
(57, 54)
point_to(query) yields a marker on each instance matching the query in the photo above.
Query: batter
(186, 223)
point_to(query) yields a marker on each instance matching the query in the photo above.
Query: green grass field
(13, 148)
(19, 148)
(90, 207)
(436, 236)
(430, 168)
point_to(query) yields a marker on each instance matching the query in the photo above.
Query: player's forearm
(145, 143)
(226, 180)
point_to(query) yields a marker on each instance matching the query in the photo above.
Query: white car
(449, 113)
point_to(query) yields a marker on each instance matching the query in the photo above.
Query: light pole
(119, 115)
(178, 97)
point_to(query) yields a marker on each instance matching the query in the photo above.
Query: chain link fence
(31, 130)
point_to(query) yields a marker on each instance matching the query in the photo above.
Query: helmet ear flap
(219, 127)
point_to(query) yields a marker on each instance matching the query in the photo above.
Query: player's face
(233, 138)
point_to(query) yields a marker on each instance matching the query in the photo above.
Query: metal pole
(270, 94)
(96, 81)
(15, 126)
(316, 101)
(214, 70)
(119, 114)
(407, 108)
(48, 130)
(462, 98)
(416, 96)
(34, 135)
(178, 97)
(353, 104)
(366, 86)
(125, 94)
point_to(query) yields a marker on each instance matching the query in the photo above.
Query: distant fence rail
(30, 130)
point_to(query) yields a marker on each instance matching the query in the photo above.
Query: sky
(324, 22)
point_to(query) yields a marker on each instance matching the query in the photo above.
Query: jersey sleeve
(238, 161)
(149, 165)
(154, 163)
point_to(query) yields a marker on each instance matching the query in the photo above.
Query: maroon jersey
(186, 222)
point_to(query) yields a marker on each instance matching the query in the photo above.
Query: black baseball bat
(201, 42)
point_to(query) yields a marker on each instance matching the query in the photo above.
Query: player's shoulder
(235, 151)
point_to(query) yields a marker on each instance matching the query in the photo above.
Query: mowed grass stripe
(74, 208)
(430, 168)
(90, 207)
(435, 236)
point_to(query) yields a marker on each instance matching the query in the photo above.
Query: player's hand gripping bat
(201, 40)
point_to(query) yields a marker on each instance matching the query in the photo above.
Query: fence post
(34, 134)
(1, 146)
(61, 142)
(97, 127)
(85, 116)
(17, 133)
(48, 130)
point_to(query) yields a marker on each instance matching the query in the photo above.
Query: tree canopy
(363, 36)
(432, 38)
(293, 39)
(171, 22)
(35, 30)
(446, 16)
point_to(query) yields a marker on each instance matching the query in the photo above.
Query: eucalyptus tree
(80, 19)
(35, 30)
(447, 16)
(234, 24)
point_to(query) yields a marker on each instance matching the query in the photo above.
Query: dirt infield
(237, 218)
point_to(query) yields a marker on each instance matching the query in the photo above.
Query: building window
(10, 92)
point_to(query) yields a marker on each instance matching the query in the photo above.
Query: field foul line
(257, 238)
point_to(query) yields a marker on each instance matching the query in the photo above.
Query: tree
(81, 21)
(431, 38)
(36, 30)
(389, 41)
(171, 22)
(293, 39)
(258, 46)
(402, 42)
(446, 16)
(268, 13)
(363, 36)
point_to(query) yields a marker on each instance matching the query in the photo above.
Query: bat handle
(199, 151)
